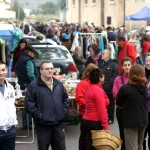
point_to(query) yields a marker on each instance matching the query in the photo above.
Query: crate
(67, 44)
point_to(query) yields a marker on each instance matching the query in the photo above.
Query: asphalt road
(71, 132)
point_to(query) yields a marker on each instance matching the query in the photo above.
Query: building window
(73, 2)
(108, 20)
(111, 1)
(85, 1)
(94, 1)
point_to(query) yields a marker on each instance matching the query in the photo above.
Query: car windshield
(51, 53)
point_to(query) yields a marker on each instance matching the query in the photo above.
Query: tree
(62, 3)
(47, 8)
(20, 15)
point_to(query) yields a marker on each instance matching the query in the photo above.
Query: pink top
(96, 105)
(117, 84)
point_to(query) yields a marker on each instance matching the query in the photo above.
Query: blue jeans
(7, 139)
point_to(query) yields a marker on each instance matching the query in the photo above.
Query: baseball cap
(30, 48)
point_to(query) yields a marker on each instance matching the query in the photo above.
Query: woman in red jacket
(95, 116)
(80, 100)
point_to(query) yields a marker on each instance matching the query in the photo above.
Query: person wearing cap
(26, 71)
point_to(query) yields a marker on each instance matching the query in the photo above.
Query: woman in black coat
(133, 98)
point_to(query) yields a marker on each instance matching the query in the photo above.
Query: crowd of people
(104, 80)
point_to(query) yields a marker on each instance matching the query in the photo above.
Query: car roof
(28, 36)
(40, 41)
(48, 45)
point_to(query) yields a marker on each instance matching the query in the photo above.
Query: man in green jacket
(26, 71)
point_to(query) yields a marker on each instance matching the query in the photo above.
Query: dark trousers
(111, 107)
(82, 138)
(120, 124)
(7, 139)
(51, 135)
(90, 125)
(147, 132)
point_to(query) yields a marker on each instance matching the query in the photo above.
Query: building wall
(115, 9)
(5, 10)
(110, 11)
(72, 11)
(90, 12)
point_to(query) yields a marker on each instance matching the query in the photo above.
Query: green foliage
(43, 18)
(47, 8)
(20, 15)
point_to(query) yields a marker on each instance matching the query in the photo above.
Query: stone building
(107, 12)
(5, 10)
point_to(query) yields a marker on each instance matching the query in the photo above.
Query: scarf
(95, 58)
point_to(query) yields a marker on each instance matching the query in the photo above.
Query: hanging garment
(75, 43)
(113, 53)
(101, 44)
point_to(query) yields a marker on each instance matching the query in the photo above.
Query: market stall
(69, 84)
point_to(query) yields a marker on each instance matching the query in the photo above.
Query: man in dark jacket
(25, 68)
(26, 72)
(46, 101)
(110, 71)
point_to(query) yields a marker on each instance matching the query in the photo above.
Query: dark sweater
(133, 99)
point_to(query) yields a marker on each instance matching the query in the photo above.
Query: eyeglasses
(48, 68)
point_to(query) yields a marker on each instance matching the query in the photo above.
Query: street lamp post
(124, 11)
(18, 10)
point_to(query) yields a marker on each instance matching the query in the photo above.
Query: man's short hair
(44, 62)
(2, 63)
(121, 38)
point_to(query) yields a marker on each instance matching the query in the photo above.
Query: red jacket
(145, 47)
(80, 95)
(130, 52)
(96, 105)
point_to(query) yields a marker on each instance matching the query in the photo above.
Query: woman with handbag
(95, 116)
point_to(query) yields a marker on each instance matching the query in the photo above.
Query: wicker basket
(103, 140)
(103, 147)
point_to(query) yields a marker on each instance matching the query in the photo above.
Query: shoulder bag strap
(125, 51)
(122, 80)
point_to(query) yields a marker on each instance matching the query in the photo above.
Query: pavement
(71, 131)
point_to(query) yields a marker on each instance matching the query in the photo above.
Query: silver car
(58, 55)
